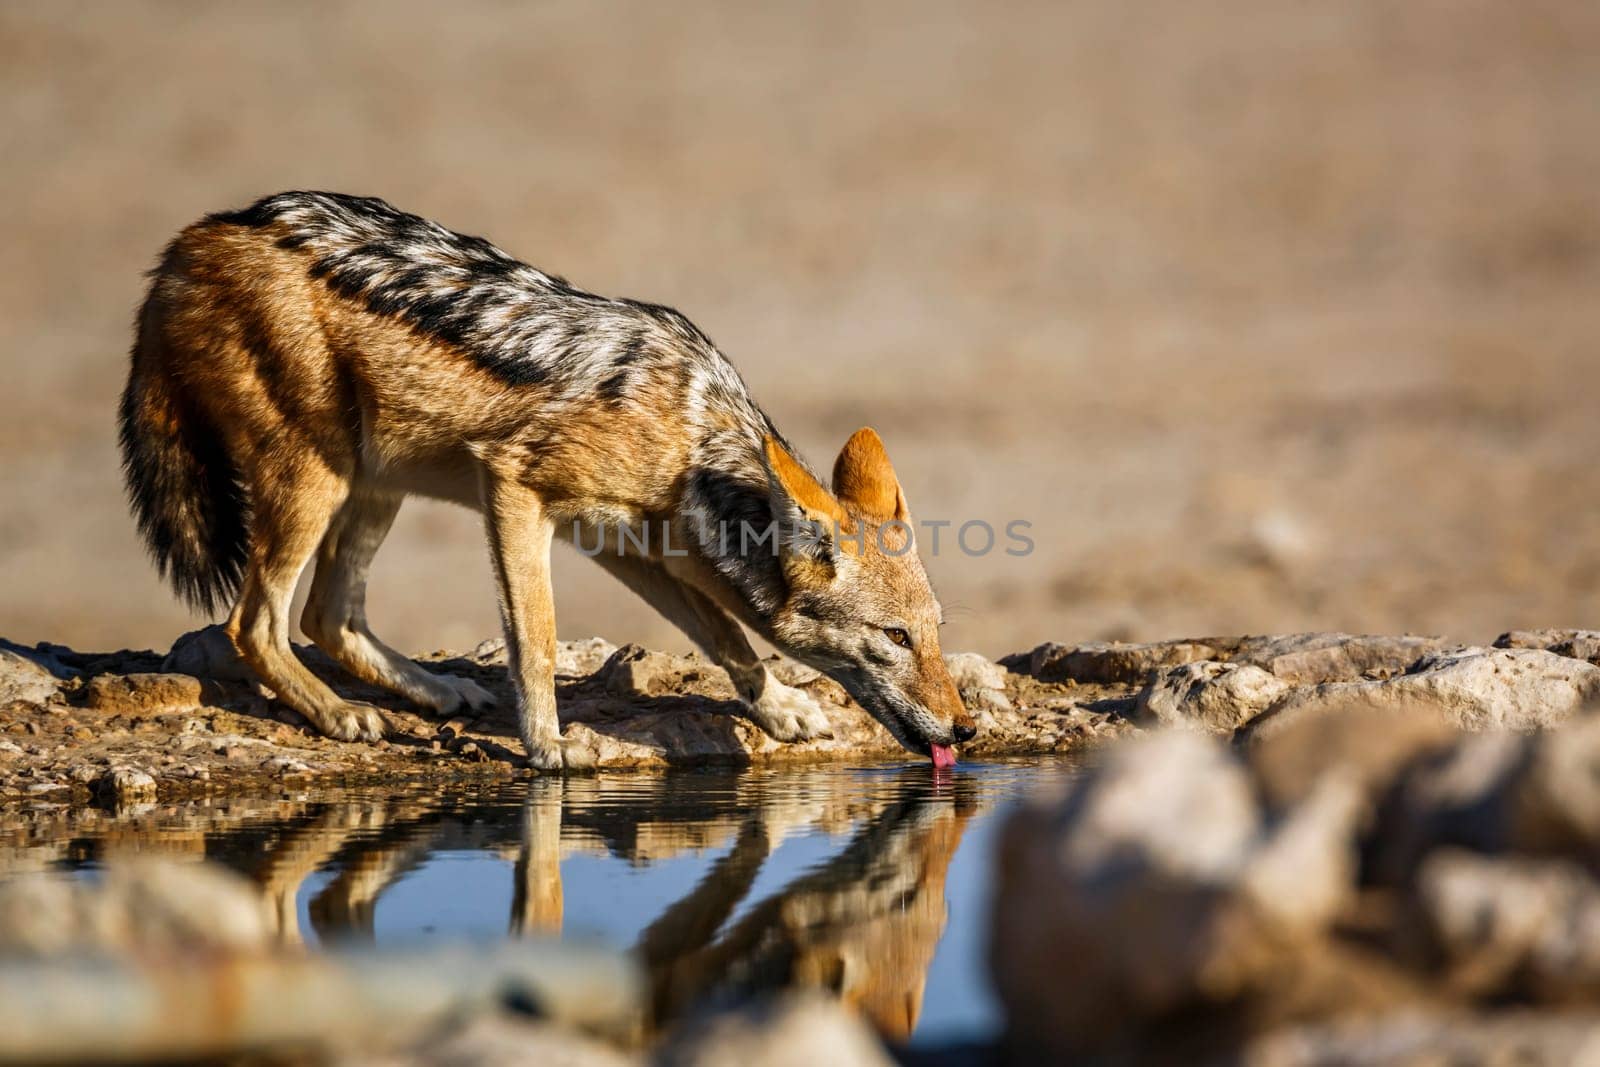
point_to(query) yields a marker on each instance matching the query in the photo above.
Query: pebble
(84, 773)
(491, 647)
(127, 784)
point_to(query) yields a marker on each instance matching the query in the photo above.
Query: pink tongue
(943, 755)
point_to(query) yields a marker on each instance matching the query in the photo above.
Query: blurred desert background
(1267, 316)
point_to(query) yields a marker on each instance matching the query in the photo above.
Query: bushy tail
(185, 490)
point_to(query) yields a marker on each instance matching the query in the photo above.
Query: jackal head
(858, 605)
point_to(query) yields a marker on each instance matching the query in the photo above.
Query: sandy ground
(1267, 317)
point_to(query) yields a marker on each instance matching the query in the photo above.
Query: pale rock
(1496, 793)
(969, 670)
(1556, 803)
(981, 683)
(53, 658)
(1161, 880)
(1214, 696)
(1305, 867)
(140, 904)
(1107, 663)
(1313, 658)
(1476, 689)
(85, 773)
(792, 672)
(207, 653)
(792, 1030)
(1369, 747)
(493, 648)
(1579, 644)
(633, 671)
(1458, 796)
(1512, 928)
(1412, 1038)
(501, 1040)
(23, 680)
(126, 785)
(579, 659)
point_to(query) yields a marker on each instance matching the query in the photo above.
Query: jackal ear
(798, 498)
(864, 478)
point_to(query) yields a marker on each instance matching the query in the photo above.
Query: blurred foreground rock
(1512, 1040)
(1369, 884)
(161, 961)
(164, 961)
(501, 1040)
(1510, 689)
(794, 1030)
(137, 905)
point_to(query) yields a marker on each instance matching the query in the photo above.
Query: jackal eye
(898, 636)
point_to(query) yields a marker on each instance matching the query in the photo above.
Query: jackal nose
(964, 731)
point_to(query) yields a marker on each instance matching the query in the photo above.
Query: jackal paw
(462, 692)
(354, 721)
(789, 714)
(555, 755)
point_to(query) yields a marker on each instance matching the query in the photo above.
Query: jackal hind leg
(291, 508)
(520, 535)
(784, 712)
(335, 615)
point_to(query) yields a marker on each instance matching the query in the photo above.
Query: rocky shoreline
(1290, 850)
(133, 726)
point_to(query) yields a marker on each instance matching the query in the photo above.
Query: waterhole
(871, 883)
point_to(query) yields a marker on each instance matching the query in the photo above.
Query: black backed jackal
(302, 365)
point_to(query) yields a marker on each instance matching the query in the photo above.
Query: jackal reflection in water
(863, 924)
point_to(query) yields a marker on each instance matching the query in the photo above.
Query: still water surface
(870, 882)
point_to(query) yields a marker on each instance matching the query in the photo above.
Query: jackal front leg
(519, 540)
(784, 712)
